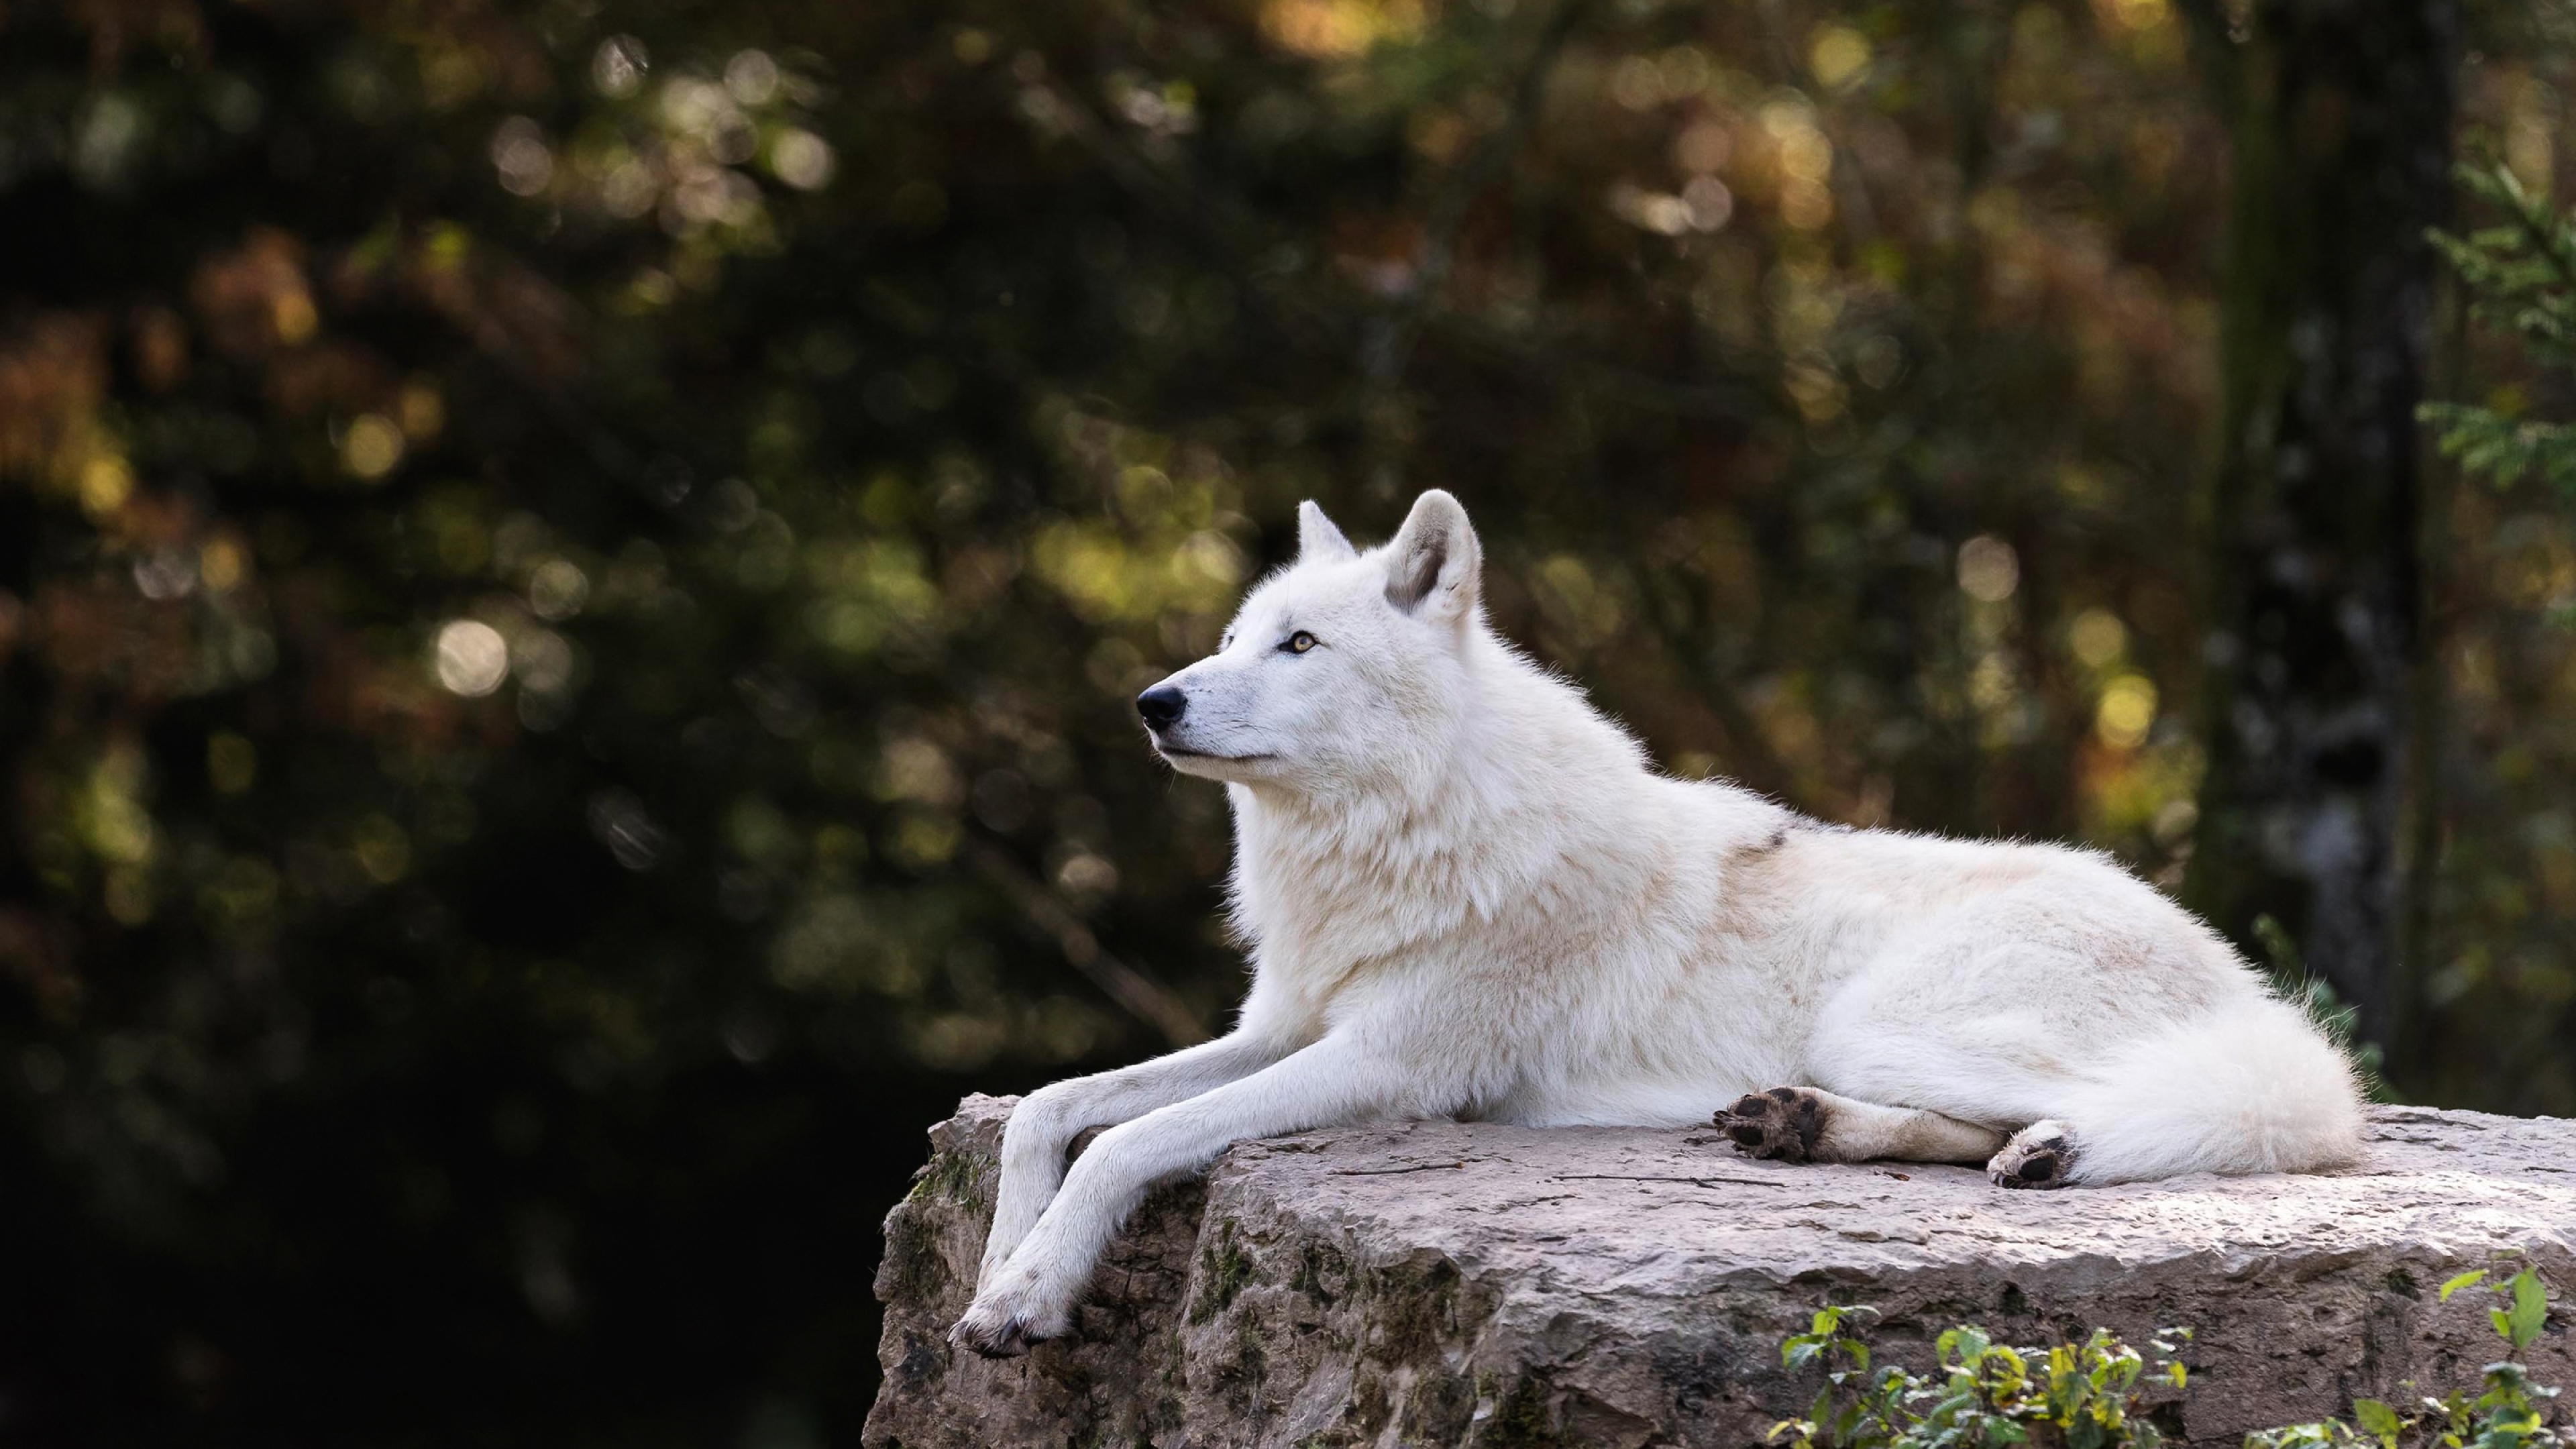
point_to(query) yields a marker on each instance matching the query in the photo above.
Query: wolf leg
(2258, 1089)
(2250, 1088)
(1047, 1120)
(1031, 1297)
(1805, 1124)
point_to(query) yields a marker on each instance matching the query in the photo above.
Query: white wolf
(1468, 895)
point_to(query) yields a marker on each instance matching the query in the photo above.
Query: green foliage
(1982, 1394)
(2521, 277)
(2508, 1411)
(2095, 1394)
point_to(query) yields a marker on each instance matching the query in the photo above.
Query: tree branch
(1140, 995)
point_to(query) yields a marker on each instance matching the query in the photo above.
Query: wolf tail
(2254, 1089)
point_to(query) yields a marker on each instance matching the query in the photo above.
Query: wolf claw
(1010, 1338)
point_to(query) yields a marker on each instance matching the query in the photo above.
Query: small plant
(2091, 1395)
(2506, 1415)
(1983, 1394)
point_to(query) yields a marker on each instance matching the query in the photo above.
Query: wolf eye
(1299, 642)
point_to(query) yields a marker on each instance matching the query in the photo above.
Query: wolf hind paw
(1781, 1124)
(2041, 1155)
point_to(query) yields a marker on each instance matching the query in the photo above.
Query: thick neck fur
(1517, 810)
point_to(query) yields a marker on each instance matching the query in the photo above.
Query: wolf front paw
(1017, 1307)
(1781, 1124)
(995, 1328)
(2041, 1155)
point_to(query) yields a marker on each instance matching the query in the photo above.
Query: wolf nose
(1161, 705)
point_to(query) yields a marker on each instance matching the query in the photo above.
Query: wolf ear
(1317, 540)
(1434, 564)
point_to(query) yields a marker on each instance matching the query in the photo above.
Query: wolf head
(1341, 668)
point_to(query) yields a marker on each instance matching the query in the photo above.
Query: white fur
(1467, 894)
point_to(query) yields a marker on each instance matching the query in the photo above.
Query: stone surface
(1445, 1284)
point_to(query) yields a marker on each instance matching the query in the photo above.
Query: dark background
(571, 576)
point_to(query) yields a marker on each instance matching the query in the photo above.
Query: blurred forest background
(571, 576)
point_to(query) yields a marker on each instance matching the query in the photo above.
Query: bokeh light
(471, 658)
(2127, 711)
(371, 446)
(1989, 570)
(800, 158)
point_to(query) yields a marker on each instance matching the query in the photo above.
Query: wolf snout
(1162, 706)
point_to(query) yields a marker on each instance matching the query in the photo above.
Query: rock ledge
(1445, 1284)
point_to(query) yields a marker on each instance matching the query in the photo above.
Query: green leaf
(2521, 1325)
(2376, 1418)
(2465, 1280)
